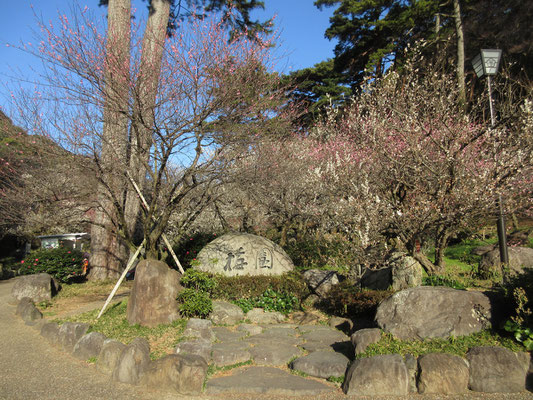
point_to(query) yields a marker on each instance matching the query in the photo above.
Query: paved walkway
(32, 369)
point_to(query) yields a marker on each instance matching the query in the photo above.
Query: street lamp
(487, 63)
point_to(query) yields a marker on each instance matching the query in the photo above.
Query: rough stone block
(442, 374)
(89, 346)
(133, 360)
(109, 356)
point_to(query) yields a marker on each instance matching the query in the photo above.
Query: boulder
(433, 312)
(260, 316)
(109, 356)
(132, 362)
(225, 313)
(243, 254)
(400, 271)
(274, 354)
(199, 347)
(442, 374)
(322, 364)
(38, 287)
(364, 337)
(89, 346)
(384, 375)
(69, 334)
(153, 296)
(230, 353)
(50, 331)
(520, 258)
(27, 311)
(199, 329)
(183, 374)
(342, 324)
(496, 370)
(319, 281)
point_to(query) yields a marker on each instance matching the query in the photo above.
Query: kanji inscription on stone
(264, 259)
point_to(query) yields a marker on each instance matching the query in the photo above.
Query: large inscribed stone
(243, 254)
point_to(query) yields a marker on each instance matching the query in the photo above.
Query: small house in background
(74, 241)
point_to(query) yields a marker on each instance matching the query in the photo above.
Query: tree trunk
(144, 106)
(426, 263)
(460, 52)
(441, 241)
(108, 252)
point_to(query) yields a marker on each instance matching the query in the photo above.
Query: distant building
(75, 241)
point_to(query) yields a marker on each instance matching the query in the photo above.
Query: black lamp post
(487, 63)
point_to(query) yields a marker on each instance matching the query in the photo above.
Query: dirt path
(30, 368)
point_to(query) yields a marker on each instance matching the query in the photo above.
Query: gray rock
(250, 329)
(199, 329)
(38, 287)
(224, 354)
(183, 374)
(496, 370)
(328, 336)
(89, 346)
(342, 324)
(305, 317)
(50, 331)
(364, 337)
(260, 316)
(442, 374)
(225, 313)
(400, 271)
(274, 354)
(226, 335)
(262, 339)
(384, 375)
(481, 250)
(153, 296)
(133, 361)
(520, 259)
(243, 254)
(268, 381)
(199, 347)
(434, 312)
(70, 333)
(320, 281)
(322, 364)
(109, 355)
(27, 311)
(411, 364)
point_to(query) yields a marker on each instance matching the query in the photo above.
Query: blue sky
(300, 23)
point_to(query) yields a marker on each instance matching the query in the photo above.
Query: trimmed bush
(63, 264)
(194, 303)
(249, 287)
(347, 300)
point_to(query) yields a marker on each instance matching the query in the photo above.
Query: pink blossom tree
(158, 120)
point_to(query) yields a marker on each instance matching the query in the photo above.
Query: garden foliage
(63, 264)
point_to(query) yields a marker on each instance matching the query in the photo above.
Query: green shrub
(194, 303)
(270, 300)
(347, 300)
(63, 264)
(335, 253)
(439, 280)
(198, 280)
(248, 287)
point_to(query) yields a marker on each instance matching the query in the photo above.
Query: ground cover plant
(453, 345)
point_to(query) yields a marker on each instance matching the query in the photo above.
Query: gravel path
(32, 369)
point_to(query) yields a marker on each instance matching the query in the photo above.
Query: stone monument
(235, 254)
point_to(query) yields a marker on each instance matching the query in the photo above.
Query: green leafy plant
(440, 280)
(194, 303)
(198, 280)
(63, 264)
(270, 300)
(521, 334)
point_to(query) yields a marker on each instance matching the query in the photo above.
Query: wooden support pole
(117, 285)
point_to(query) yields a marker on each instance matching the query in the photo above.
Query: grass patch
(114, 325)
(213, 369)
(453, 345)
